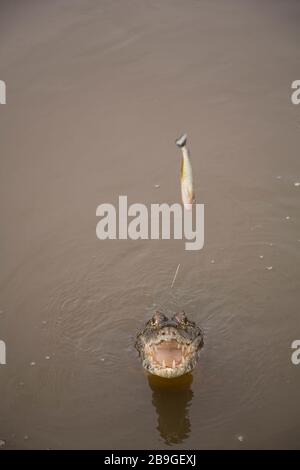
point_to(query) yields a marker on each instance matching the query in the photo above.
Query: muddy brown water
(97, 92)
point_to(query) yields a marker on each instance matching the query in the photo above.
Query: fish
(186, 174)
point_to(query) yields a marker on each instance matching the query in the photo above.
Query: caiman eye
(181, 318)
(184, 321)
(158, 319)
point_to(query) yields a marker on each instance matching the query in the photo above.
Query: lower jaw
(169, 373)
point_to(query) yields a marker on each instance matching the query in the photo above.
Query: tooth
(173, 364)
(164, 363)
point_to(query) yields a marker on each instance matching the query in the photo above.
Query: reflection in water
(171, 399)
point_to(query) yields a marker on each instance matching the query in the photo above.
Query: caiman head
(169, 347)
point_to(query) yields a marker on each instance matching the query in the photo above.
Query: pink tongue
(168, 354)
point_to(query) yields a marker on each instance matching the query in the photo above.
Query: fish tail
(181, 141)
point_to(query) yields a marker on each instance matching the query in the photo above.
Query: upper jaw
(169, 333)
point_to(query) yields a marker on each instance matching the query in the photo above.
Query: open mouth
(169, 354)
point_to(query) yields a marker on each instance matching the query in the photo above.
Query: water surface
(97, 92)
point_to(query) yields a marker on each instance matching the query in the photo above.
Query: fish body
(186, 175)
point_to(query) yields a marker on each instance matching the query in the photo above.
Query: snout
(168, 331)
